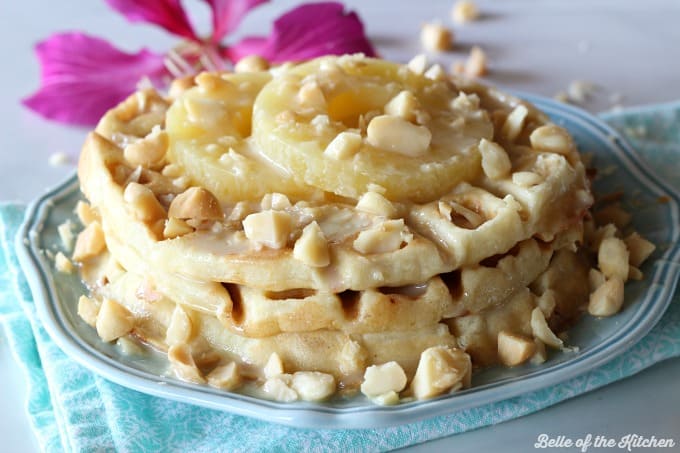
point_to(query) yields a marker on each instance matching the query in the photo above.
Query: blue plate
(598, 340)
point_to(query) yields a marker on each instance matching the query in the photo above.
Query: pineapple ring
(208, 127)
(424, 146)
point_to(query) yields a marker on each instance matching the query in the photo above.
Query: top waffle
(353, 174)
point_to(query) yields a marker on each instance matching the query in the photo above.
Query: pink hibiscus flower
(83, 76)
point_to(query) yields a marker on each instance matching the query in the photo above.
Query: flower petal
(83, 76)
(168, 14)
(306, 32)
(227, 14)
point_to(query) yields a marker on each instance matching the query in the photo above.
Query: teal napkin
(71, 409)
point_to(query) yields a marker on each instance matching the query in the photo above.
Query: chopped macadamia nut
(113, 320)
(639, 249)
(226, 377)
(418, 64)
(210, 82)
(320, 123)
(129, 347)
(63, 264)
(612, 258)
(88, 310)
(277, 201)
(476, 64)
(383, 238)
(541, 330)
(175, 227)
(514, 123)
(344, 145)
(66, 234)
(195, 203)
(514, 349)
(551, 138)
(436, 72)
(464, 11)
(90, 242)
(311, 247)
(495, 161)
(436, 37)
(466, 102)
(397, 135)
(440, 369)
(580, 91)
(313, 385)
(148, 152)
(386, 399)
(274, 366)
(311, 96)
(179, 328)
(607, 299)
(278, 390)
(526, 178)
(405, 104)
(180, 85)
(58, 159)
(602, 233)
(270, 228)
(143, 203)
(381, 379)
(86, 214)
(183, 364)
(375, 203)
(251, 63)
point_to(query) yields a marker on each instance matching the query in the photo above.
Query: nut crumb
(63, 264)
(59, 159)
(580, 91)
(476, 65)
(436, 37)
(66, 235)
(464, 11)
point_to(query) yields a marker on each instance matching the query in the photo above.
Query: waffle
(268, 227)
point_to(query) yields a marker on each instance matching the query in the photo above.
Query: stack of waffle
(341, 224)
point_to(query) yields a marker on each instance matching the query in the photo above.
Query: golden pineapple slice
(418, 140)
(209, 128)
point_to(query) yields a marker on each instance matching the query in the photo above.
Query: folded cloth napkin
(72, 409)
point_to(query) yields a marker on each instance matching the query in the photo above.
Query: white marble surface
(629, 49)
